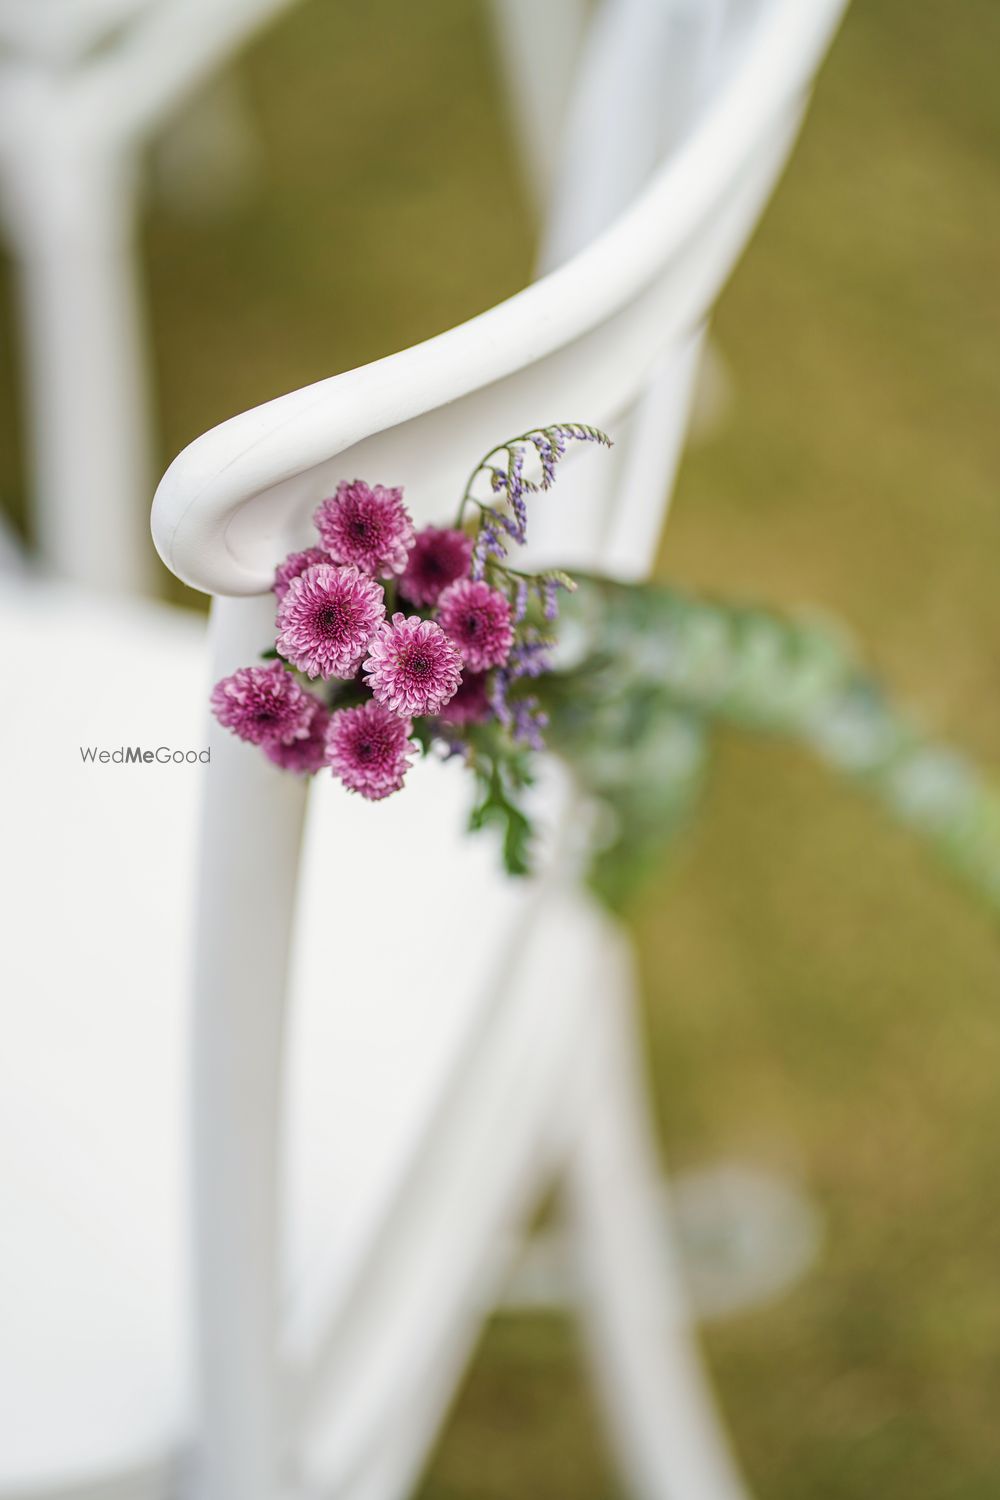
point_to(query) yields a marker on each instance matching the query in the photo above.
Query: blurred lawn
(820, 998)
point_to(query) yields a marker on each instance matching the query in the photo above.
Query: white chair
(83, 85)
(355, 1204)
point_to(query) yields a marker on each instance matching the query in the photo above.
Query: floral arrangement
(392, 643)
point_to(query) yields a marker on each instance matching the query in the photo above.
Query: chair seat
(97, 882)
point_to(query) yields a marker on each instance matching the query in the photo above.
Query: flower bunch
(389, 642)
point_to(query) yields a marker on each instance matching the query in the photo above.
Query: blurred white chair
(456, 1042)
(538, 49)
(83, 85)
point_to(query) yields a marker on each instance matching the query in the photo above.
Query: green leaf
(648, 657)
(497, 807)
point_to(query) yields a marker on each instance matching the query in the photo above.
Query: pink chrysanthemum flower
(478, 620)
(439, 557)
(306, 755)
(294, 565)
(263, 705)
(370, 528)
(470, 704)
(327, 618)
(413, 667)
(369, 748)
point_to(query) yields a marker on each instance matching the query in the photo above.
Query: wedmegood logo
(133, 755)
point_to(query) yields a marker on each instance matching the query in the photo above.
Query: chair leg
(370, 1402)
(661, 1415)
(246, 904)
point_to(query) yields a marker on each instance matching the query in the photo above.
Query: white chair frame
(589, 341)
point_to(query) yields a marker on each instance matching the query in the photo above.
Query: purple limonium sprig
(549, 590)
(519, 588)
(531, 657)
(530, 723)
(513, 471)
(506, 469)
(549, 449)
(489, 544)
(522, 715)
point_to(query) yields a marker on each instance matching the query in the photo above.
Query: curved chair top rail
(235, 499)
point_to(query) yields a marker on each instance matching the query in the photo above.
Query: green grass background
(819, 997)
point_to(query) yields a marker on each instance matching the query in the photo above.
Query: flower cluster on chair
(391, 642)
(648, 675)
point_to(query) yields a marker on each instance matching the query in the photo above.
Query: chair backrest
(604, 337)
(579, 344)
